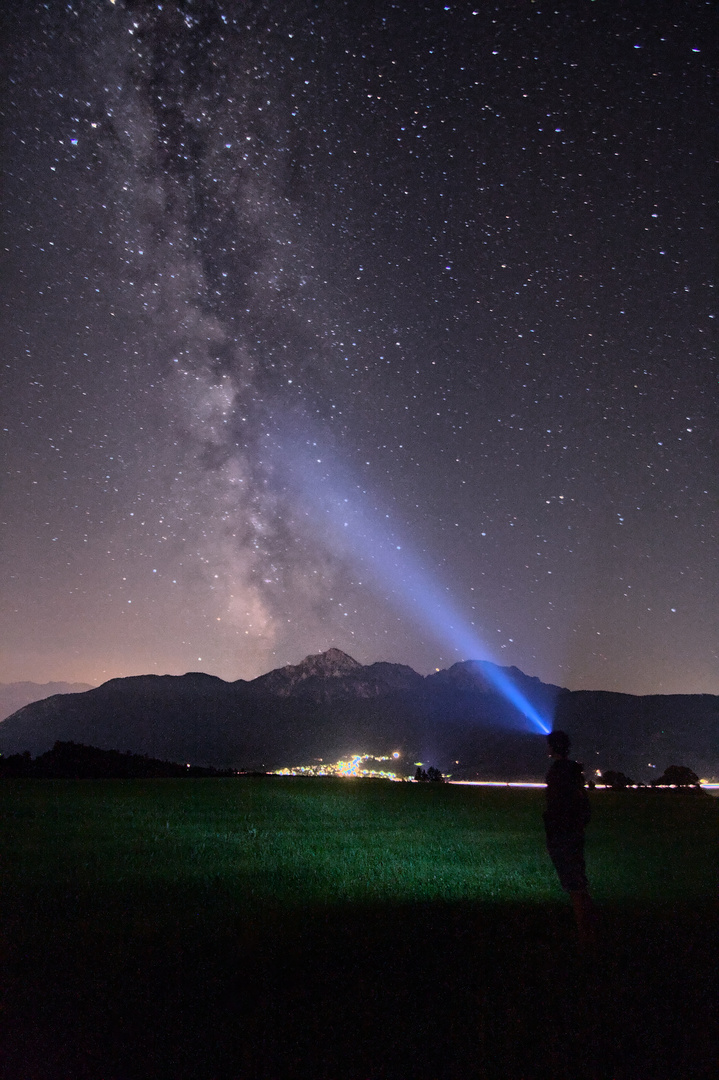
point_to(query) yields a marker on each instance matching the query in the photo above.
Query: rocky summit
(334, 676)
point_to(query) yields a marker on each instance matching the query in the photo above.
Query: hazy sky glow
(386, 327)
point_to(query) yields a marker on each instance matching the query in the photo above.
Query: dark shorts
(566, 850)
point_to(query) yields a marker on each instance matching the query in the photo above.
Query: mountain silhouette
(330, 706)
(333, 676)
(16, 694)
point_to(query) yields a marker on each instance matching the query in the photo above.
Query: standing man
(565, 820)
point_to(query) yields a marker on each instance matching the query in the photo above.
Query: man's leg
(566, 850)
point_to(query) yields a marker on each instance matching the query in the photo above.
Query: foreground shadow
(116, 990)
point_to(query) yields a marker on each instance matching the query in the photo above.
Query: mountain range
(330, 706)
(16, 694)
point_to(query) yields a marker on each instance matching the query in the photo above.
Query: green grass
(184, 928)
(301, 841)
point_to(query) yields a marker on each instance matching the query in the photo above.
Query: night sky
(383, 326)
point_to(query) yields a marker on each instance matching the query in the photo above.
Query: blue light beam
(367, 537)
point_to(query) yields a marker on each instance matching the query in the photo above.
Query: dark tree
(420, 776)
(434, 774)
(16, 765)
(75, 761)
(680, 776)
(618, 781)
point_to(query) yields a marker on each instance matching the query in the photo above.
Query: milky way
(385, 327)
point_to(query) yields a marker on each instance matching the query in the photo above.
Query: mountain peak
(331, 662)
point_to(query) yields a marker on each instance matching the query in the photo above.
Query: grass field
(278, 928)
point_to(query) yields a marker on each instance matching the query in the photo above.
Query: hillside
(330, 706)
(16, 694)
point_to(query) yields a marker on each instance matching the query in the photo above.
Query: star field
(314, 310)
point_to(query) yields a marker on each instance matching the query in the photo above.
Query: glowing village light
(351, 767)
(359, 765)
(395, 568)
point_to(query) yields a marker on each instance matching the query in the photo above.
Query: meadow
(285, 927)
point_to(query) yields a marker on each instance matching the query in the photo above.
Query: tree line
(431, 774)
(74, 761)
(673, 776)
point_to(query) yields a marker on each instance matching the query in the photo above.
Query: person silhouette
(565, 819)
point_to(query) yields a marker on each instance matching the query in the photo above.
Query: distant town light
(358, 765)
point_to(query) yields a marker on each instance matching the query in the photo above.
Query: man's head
(558, 742)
